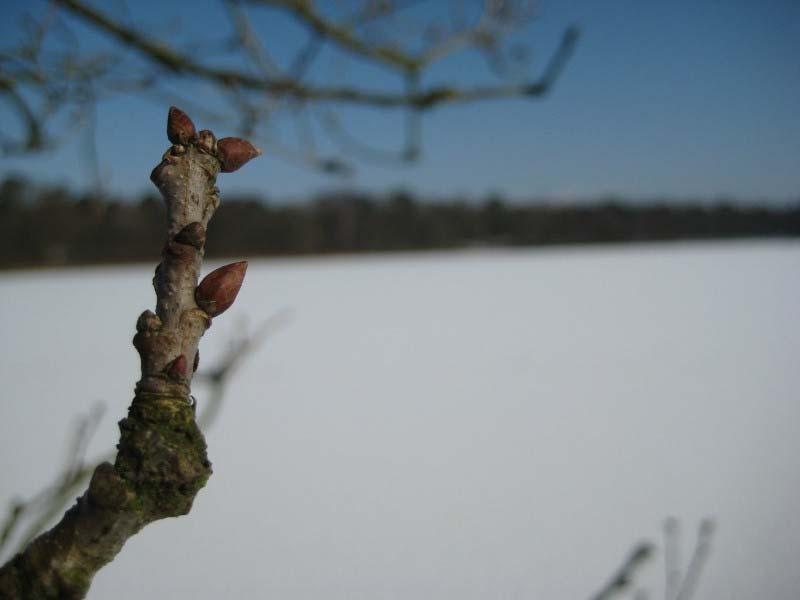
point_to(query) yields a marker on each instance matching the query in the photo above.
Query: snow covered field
(488, 424)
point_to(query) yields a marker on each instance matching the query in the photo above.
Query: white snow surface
(455, 425)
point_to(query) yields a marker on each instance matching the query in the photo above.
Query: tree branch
(41, 508)
(344, 36)
(39, 80)
(624, 576)
(702, 549)
(248, 39)
(161, 461)
(179, 63)
(33, 131)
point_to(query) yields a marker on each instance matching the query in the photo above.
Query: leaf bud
(234, 152)
(180, 129)
(218, 290)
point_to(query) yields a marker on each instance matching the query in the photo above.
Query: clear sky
(680, 99)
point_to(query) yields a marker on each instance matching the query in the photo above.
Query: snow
(480, 424)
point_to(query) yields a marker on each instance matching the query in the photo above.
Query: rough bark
(161, 461)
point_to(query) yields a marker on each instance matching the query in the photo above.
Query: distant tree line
(52, 226)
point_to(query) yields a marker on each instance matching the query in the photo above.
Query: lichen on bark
(161, 461)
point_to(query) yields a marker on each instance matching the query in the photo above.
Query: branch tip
(180, 128)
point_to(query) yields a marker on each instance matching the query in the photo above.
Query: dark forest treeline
(50, 226)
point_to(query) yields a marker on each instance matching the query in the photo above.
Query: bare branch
(305, 57)
(249, 40)
(344, 36)
(672, 548)
(161, 462)
(74, 475)
(624, 577)
(331, 165)
(15, 513)
(179, 63)
(38, 81)
(34, 139)
(244, 346)
(702, 549)
(40, 509)
(366, 152)
(496, 20)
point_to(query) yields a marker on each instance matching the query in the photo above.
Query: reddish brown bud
(177, 368)
(194, 234)
(218, 290)
(207, 141)
(196, 361)
(234, 152)
(180, 129)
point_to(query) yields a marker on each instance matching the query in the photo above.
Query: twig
(343, 36)
(161, 462)
(38, 85)
(218, 377)
(626, 573)
(45, 505)
(179, 63)
(702, 549)
(249, 40)
(672, 569)
(34, 139)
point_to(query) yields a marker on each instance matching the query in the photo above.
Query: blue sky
(673, 99)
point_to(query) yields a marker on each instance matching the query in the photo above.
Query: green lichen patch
(162, 454)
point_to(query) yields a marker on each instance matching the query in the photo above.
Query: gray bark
(161, 462)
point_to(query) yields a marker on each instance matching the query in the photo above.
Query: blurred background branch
(678, 585)
(682, 585)
(623, 579)
(49, 78)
